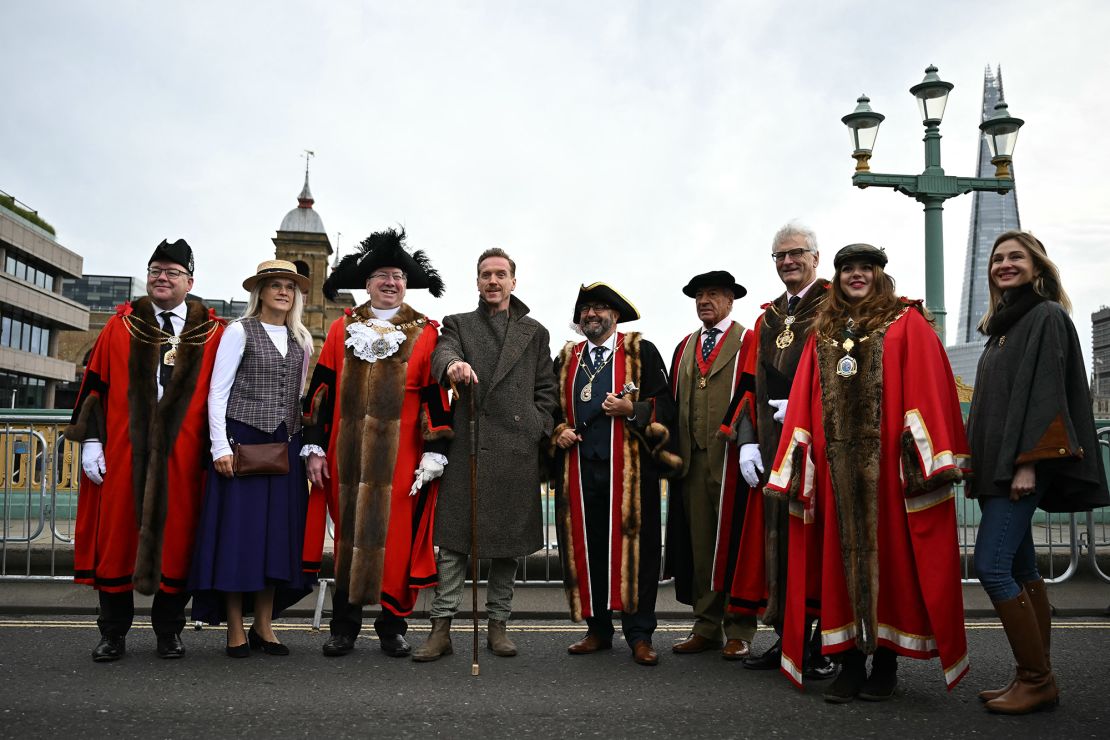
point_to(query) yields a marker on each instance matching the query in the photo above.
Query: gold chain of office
(847, 366)
(153, 334)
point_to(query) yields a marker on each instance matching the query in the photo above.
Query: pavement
(51, 688)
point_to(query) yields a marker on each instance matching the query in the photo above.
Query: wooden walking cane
(473, 522)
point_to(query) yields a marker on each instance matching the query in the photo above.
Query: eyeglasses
(794, 254)
(279, 285)
(397, 277)
(171, 273)
(595, 307)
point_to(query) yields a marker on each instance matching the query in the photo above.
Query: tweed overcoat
(516, 401)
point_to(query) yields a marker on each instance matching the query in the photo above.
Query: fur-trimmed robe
(867, 464)
(759, 579)
(638, 458)
(136, 529)
(375, 421)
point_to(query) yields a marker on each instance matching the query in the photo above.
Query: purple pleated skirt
(251, 533)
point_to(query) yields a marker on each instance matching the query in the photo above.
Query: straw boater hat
(860, 253)
(602, 293)
(277, 268)
(383, 249)
(715, 279)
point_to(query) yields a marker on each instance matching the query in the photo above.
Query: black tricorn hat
(602, 293)
(715, 279)
(383, 249)
(860, 253)
(179, 253)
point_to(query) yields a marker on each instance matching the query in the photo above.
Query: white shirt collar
(723, 326)
(609, 344)
(801, 293)
(384, 313)
(178, 311)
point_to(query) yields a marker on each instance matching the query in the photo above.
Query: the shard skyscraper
(991, 214)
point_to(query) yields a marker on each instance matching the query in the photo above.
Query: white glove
(751, 463)
(780, 409)
(431, 467)
(92, 460)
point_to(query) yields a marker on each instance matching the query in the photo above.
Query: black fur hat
(179, 252)
(383, 249)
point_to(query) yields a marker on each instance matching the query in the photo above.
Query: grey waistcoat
(267, 386)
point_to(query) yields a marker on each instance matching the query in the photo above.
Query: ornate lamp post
(932, 187)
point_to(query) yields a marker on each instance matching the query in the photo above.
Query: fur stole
(153, 427)
(371, 396)
(852, 414)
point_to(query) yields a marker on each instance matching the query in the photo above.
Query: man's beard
(595, 331)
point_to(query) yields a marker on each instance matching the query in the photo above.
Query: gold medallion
(702, 382)
(587, 393)
(784, 339)
(171, 357)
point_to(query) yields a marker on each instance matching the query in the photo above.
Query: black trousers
(346, 618)
(117, 612)
(636, 626)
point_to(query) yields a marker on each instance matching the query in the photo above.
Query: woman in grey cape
(1033, 445)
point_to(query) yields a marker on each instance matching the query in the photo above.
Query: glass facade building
(1100, 353)
(103, 292)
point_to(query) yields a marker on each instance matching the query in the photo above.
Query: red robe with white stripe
(873, 540)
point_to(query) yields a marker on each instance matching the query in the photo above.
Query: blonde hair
(1046, 284)
(881, 306)
(292, 318)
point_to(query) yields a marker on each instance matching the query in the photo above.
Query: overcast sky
(637, 143)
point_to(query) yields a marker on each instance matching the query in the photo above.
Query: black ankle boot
(884, 676)
(853, 674)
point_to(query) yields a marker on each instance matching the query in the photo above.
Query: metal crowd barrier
(39, 476)
(1098, 522)
(40, 473)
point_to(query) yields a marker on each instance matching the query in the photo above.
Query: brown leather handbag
(270, 458)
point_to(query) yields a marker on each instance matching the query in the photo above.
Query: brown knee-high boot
(1038, 596)
(1034, 687)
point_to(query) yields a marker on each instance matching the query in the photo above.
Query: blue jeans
(1004, 553)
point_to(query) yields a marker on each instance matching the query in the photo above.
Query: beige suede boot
(498, 641)
(438, 643)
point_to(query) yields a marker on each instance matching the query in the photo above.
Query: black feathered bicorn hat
(715, 279)
(860, 253)
(602, 293)
(383, 249)
(179, 253)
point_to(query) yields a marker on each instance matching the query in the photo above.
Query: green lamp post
(932, 187)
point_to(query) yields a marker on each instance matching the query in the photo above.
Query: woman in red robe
(873, 441)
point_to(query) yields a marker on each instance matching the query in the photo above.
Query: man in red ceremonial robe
(759, 581)
(873, 440)
(142, 418)
(705, 510)
(378, 426)
(609, 453)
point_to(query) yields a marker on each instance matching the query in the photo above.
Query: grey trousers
(452, 577)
